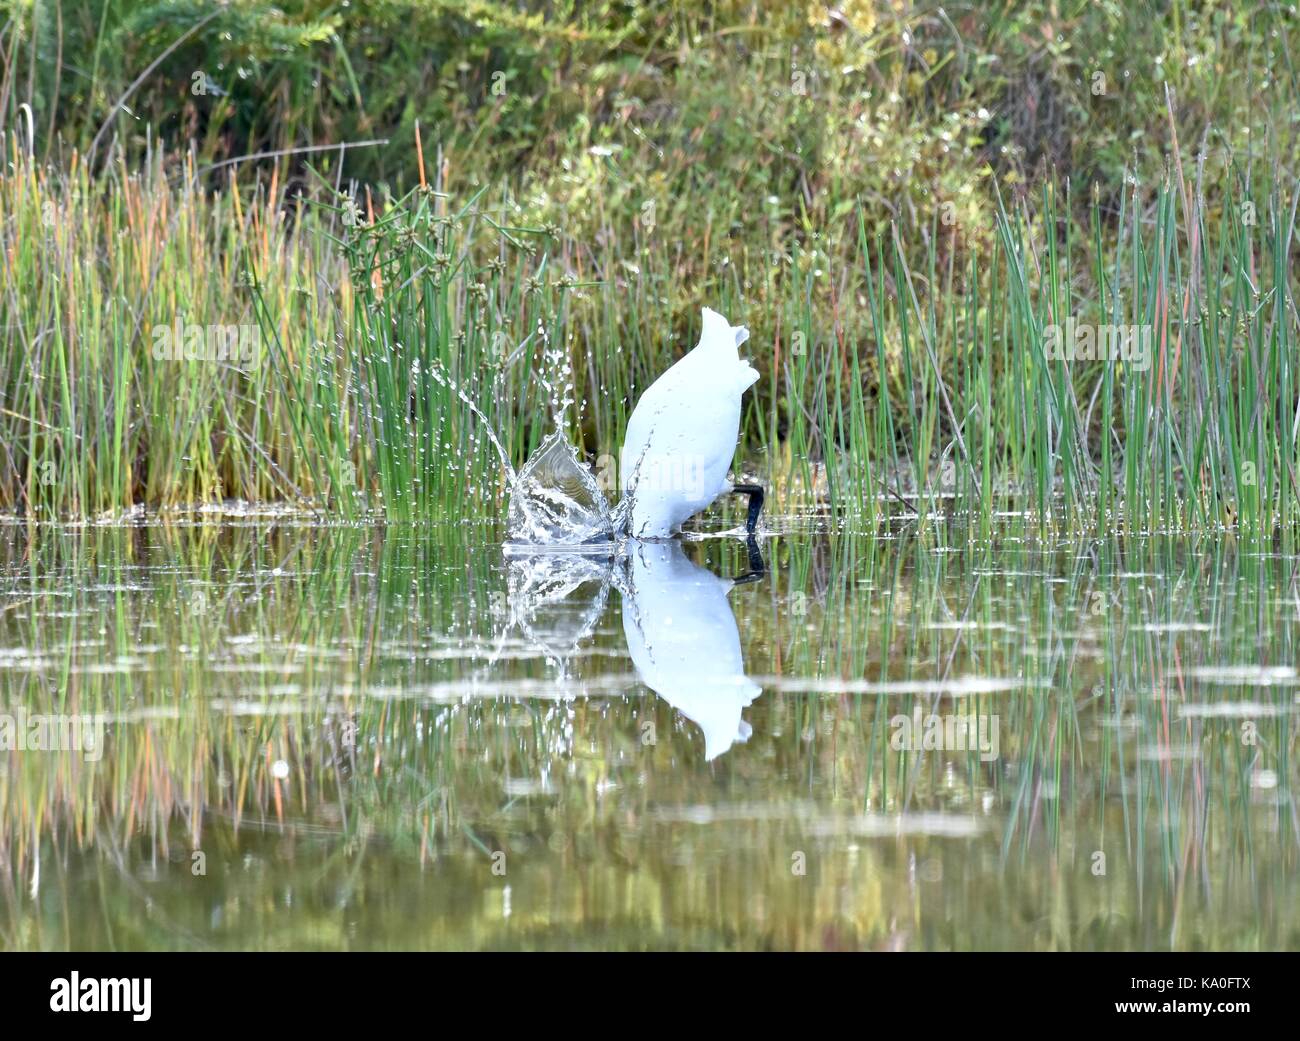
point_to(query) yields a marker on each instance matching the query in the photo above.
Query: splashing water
(557, 499)
(441, 377)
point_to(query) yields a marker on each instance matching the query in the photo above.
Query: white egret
(682, 435)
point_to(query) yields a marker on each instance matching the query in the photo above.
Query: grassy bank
(373, 327)
(909, 208)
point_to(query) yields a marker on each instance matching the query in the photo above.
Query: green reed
(91, 418)
(901, 374)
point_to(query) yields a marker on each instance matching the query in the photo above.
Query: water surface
(332, 737)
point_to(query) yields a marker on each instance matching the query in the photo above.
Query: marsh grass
(91, 421)
(396, 333)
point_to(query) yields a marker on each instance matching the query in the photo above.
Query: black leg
(755, 493)
(757, 569)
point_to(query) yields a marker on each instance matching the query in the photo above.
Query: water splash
(558, 499)
(555, 498)
(440, 376)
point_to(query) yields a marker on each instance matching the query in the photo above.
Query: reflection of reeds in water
(329, 717)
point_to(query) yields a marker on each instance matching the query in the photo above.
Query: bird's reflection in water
(681, 632)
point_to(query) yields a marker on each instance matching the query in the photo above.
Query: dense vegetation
(902, 202)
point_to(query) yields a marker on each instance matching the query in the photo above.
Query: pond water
(304, 736)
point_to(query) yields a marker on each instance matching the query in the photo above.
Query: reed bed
(98, 413)
(404, 346)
